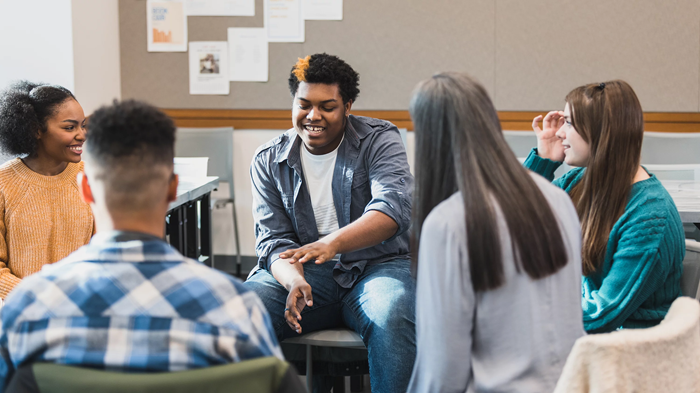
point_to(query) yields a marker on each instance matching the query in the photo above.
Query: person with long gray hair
(497, 251)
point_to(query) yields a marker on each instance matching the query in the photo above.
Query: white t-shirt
(318, 172)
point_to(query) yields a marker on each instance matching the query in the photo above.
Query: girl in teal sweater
(633, 239)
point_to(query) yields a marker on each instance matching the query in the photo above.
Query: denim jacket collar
(290, 151)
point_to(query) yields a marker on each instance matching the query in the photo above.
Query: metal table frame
(188, 222)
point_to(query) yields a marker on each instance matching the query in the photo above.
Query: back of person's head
(326, 69)
(130, 150)
(609, 117)
(25, 108)
(460, 147)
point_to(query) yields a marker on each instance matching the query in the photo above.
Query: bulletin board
(525, 53)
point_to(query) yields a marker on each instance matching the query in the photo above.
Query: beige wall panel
(163, 78)
(396, 44)
(545, 48)
(392, 44)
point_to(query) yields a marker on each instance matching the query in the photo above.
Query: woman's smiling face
(319, 116)
(576, 150)
(65, 133)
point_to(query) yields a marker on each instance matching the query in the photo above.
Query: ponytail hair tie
(602, 85)
(34, 92)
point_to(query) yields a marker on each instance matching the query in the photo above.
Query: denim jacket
(371, 173)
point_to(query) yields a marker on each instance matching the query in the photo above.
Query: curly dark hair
(130, 128)
(327, 69)
(25, 108)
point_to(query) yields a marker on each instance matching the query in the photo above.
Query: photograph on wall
(166, 24)
(220, 7)
(284, 20)
(209, 68)
(209, 63)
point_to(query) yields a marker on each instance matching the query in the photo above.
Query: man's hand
(318, 252)
(299, 297)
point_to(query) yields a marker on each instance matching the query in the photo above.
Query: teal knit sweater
(641, 274)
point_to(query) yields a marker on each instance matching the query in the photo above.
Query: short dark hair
(25, 107)
(326, 69)
(130, 147)
(131, 128)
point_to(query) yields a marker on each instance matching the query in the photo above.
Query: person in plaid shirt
(128, 300)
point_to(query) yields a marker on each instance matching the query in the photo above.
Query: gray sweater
(512, 339)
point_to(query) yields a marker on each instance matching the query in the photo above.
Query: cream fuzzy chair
(664, 358)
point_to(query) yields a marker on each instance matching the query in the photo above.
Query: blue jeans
(380, 307)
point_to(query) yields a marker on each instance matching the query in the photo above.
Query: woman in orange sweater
(42, 217)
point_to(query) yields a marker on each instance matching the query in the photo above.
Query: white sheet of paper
(166, 26)
(220, 7)
(248, 54)
(323, 9)
(284, 20)
(209, 67)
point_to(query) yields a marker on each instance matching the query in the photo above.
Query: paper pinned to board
(248, 54)
(323, 9)
(209, 68)
(166, 26)
(284, 20)
(220, 7)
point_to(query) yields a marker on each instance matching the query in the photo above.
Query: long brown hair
(460, 147)
(609, 117)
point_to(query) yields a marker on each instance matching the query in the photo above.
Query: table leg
(309, 370)
(191, 231)
(175, 230)
(205, 234)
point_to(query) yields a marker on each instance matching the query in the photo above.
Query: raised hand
(548, 144)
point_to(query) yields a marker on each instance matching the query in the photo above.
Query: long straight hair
(609, 117)
(460, 147)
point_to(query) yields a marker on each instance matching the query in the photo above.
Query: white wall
(96, 52)
(245, 142)
(72, 43)
(36, 42)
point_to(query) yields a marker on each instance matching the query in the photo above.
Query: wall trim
(510, 120)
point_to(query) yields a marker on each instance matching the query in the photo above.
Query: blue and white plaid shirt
(131, 302)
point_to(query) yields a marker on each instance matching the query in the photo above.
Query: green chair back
(258, 375)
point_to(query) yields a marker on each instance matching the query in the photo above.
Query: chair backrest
(675, 171)
(404, 136)
(215, 143)
(521, 142)
(268, 374)
(663, 358)
(671, 148)
(690, 281)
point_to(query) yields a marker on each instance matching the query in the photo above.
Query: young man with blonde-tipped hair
(332, 203)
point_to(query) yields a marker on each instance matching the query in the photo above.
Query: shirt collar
(115, 236)
(290, 150)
